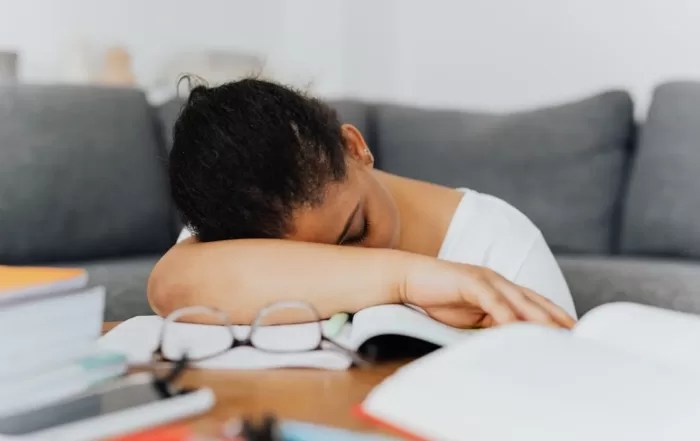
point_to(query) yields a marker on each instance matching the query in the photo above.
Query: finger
(459, 317)
(561, 316)
(491, 301)
(486, 322)
(525, 307)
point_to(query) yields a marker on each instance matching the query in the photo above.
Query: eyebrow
(348, 223)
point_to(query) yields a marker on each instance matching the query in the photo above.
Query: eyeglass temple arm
(164, 384)
(356, 358)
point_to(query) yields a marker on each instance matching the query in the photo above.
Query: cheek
(393, 235)
(386, 224)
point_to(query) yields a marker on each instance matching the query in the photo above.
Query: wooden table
(311, 395)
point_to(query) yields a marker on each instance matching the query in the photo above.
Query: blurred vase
(8, 67)
(116, 68)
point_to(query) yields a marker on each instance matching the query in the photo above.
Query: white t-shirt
(489, 232)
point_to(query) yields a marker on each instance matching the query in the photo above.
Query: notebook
(626, 371)
(22, 282)
(137, 338)
(301, 431)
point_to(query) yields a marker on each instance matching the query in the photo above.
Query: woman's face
(358, 211)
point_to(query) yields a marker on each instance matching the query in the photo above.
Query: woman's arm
(242, 276)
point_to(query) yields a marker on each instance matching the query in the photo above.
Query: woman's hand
(469, 296)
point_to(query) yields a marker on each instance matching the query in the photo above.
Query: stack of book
(50, 320)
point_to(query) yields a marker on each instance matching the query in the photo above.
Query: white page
(138, 337)
(402, 320)
(528, 382)
(671, 336)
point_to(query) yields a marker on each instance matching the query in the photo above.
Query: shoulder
(501, 212)
(488, 231)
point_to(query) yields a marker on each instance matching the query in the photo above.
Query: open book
(626, 371)
(138, 337)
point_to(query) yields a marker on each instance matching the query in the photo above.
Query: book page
(670, 336)
(402, 320)
(530, 382)
(138, 337)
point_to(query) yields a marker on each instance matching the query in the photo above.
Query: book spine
(360, 412)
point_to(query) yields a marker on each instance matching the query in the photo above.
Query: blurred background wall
(493, 54)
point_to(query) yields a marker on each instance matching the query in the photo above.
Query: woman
(254, 162)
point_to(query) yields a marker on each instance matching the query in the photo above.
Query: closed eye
(359, 238)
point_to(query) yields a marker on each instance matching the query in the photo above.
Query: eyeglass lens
(180, 336)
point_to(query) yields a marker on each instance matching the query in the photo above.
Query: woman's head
(254, 159)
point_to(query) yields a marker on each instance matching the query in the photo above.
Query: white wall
(495, 54)
(506, 54)
(46, 31)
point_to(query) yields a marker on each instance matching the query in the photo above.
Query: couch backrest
(586, 174)
(564, 166)
(662, 213)
(82, 168)
(168, 113)
(81, 175)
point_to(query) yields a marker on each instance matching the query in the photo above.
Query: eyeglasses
(179, 342)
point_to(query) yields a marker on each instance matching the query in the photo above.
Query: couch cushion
(563, 166)
(167, 115)
(125, 281)
(664, 283)
(81, 175)
(662, 214)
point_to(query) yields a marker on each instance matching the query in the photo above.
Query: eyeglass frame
(158, 356)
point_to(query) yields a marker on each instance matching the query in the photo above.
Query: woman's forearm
(242, 276)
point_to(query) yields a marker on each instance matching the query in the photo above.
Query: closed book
(301, 431)
(58, 382)
(56, 313)
(48, 332)
(18, 283)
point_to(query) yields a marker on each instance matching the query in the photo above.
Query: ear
(356, 145)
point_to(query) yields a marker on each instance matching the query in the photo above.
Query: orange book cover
(22, 281)
(178, 432)
(360, 412)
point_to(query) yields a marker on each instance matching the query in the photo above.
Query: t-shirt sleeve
(489, 232)
(540, 272)
(184, 234)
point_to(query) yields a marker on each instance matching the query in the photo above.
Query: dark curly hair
(247, 153)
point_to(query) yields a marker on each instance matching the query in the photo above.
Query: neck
(425, 211)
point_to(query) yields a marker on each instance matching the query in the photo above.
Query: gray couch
(82, 182)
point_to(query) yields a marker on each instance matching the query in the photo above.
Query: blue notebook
(297, 431)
